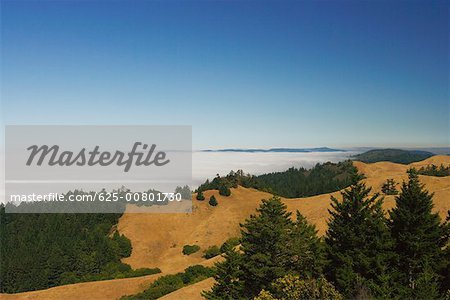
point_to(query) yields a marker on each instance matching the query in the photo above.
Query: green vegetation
(292, 183)
(359, 248)
(272, 246)
(39, 251)
(364, 255)
(393, 155)
(213, 201)
(389, 187)
(229, 244)
(291, 287)
(169, 283)
(418, 237)
(211, 252)
(221, 184)
(200, 196)
(433, 170)
(190, 249)
(224, 191)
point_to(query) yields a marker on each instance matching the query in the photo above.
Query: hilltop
(158, 239)
(393, 155)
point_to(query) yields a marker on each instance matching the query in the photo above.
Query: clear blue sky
(243, 74)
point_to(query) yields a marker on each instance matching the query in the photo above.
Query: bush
(224, 190)
(169, 283)
(229, 244)
(211, 252)
(213, 201)
(200, 196)
(292, 287)
(196, 273)
(189, 249)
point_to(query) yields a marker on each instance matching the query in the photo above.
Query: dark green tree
(306, 250)
(389, 187)
(213, 201)
(359, 246)
(224, 190)
(200, 196)
(228, 273)
(264, 243)
(445, 263)
(417, 233)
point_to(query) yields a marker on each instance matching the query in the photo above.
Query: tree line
(433, 170)
(292, 183)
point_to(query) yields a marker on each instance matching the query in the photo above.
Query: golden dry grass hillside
(158, 239)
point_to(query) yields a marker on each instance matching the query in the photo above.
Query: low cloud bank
(208, 164)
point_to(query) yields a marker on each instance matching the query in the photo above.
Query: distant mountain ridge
(278, 150)
(393, 155)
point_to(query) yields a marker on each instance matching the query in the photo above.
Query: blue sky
(243, 74)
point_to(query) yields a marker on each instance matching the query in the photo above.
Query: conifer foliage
(272, 246)
(359, 247)
(418, 235)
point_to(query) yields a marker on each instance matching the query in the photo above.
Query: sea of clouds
(208, 164)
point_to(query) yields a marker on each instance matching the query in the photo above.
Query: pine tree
(228, 272)
(264, 243)
(200, 196)
(389, 187)
(224, 190)
(212, 201)
(359, 246)
(306, 249)
(445, 263)
(417, 232)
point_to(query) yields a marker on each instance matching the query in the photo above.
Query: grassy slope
(158, 239)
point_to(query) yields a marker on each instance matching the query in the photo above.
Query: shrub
(213, 201)
(211, 252)
(196, 273)
(169, 283)
(200, 196)
(292, 287)
(189, 249)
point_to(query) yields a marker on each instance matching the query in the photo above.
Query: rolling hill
(393, 155)
(158, 239)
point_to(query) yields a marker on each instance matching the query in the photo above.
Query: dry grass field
(158, 239)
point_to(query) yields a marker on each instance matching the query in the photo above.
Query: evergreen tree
(200, 196)
(212, 201)
(417, 233)
(445, 264)
(264, 243)
(273, 246)
(228, 272)
(389, 187)
(359, 246)
(224, 190)
(307, 256)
